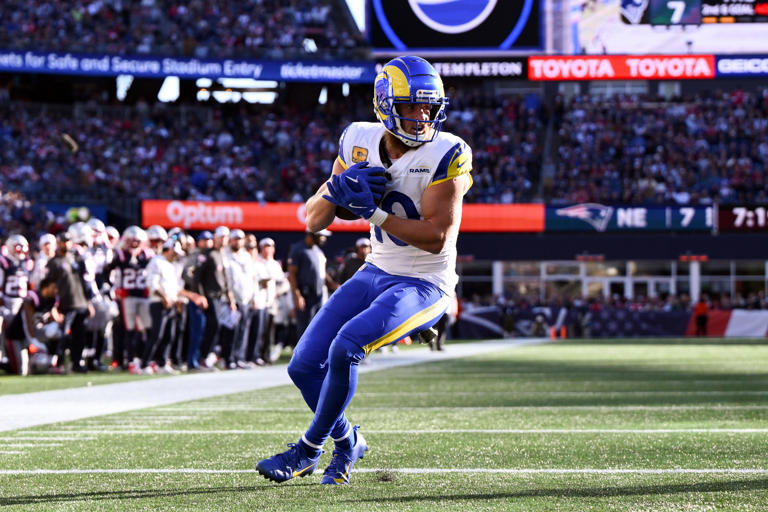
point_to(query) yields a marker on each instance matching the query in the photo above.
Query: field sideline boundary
(45, 407)
(504, 471)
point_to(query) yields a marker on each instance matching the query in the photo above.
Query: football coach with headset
(404, 286)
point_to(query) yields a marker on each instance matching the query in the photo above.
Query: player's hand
(301, 304)
(375, 177)
(354, 196)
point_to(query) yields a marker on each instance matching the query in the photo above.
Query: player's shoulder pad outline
(455, 162)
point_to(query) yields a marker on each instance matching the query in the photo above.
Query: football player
(15, 270)
(29, 331)
(128, 274)
(46, 251)
(157, 236)
(408, 179)
(105, 309)
(83, 237)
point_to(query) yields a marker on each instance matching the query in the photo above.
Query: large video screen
(669, 26)
(451, 27)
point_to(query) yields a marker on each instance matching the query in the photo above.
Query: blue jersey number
(387, 203)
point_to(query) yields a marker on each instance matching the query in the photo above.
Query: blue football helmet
(409, 80)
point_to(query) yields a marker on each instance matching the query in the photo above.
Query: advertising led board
(451, 27)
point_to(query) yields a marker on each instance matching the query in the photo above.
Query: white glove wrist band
(378, 217)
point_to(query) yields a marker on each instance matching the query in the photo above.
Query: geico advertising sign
(753, 65)
(198, 215)
(621, 67)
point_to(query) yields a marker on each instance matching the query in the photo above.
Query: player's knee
(345, 352)
(298, 370)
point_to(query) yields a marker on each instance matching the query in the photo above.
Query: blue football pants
(370, 310)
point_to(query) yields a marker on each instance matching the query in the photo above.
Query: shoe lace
(338, 463)
(293, 455)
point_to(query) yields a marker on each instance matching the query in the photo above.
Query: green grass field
(640, 425)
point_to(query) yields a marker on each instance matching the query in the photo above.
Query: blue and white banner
(185, 67)
(742, 65)
(599, 217)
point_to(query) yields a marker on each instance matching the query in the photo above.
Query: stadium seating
(271, 153)
(692, 150)
(250, 28)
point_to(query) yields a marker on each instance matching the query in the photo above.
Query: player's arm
(298, 298)
(28, 310)
(2, 287)
(441, 216)
(320, 211)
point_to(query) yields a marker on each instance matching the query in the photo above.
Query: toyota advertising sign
(621, 67)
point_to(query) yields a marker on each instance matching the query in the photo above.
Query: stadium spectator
(701, 312)
(218, 29)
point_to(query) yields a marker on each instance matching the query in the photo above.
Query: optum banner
(197, 215)
(184, 67)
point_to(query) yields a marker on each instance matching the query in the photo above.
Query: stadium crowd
(696, 149)
(250, 28)
(271, 153)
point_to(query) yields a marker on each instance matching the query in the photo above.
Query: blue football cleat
(289, 464)
(337, 472)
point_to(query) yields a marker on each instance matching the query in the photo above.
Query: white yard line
(538, 408)
(512, 431)
(29, 445)
(41, 408)
(503, 471)
(54, 436)
(606, 393)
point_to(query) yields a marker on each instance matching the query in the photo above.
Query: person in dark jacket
(212, 279)
(68, 271)
(355, 260)
(308, 277)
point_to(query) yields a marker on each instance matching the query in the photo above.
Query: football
(345, 214)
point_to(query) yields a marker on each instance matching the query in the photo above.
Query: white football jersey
(443, 159)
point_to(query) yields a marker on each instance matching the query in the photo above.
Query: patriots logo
(633, 10)
(596, 215)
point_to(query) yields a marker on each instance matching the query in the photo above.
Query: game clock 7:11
(743, 218)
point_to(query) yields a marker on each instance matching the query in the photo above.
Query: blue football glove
(374, 176)
(354, 195)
